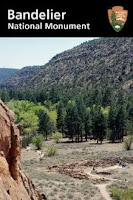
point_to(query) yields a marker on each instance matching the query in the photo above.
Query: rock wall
(14, 184)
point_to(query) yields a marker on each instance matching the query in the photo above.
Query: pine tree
(68, 121)
(61, 118)
(112, 121)
(73, 123)
(88, 125)
(13, 94)
(53, 95)
(121, 122)
(4, 95)
(45, 124)
(97, 97)
(99, 124)
(107, 98)
(122, 116)
(82, 115)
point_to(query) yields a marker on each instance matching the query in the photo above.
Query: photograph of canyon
(66, 118)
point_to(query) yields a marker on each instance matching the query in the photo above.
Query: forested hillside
(21, 76)
(91, 65)
(6, 73)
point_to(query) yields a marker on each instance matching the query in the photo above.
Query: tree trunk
(86, 137)
(46, 136)
(72, 138)
(81, 138)
(78, 137)
(101, 138)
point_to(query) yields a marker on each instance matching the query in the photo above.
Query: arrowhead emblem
(117, 17)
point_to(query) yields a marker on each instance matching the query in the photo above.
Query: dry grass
(63, 187)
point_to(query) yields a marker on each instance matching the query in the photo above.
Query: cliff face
(14, 184)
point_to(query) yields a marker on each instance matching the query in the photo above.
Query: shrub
(51, 151)
(122, 194)
(38, 141)
(26, 141)
(116, 194)
(57, 136)
(128, 143)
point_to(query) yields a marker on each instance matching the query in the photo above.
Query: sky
(21, 52)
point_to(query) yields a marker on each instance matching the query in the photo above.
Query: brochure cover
(66, 100)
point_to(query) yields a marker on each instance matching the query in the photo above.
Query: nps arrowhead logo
(117, 17)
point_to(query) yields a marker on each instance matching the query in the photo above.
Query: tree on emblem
(113, 17)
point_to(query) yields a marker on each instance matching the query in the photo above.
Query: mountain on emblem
(117, 17)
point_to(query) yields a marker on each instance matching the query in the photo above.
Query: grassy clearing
(63, 187)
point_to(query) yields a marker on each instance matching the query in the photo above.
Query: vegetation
(28, 114)
(93, 65)
(26, 140)
(122, 194)
(82, 108)
(38, 141)
(57, 136)
(62, 184)
(128, 143)
(51, 151)
(25, 113)
(61, 113)
(99, 124)
(78, 118)
(6, 73)
(45, 124)
(74, 97)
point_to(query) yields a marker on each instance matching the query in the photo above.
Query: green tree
(48, 104)
(130, 115)
(97, 97)
(57, 136)
(121, 122)
(45, 124)
(99, 124)
(38, 141)
(29, 122)
(107, 98)
(69, 121)
(73, 123)
(128, 143)
(81, 109)
(54, 95)
(4, 95)
(13, 94)
(61, 118)
(25, 115)
(88, 125)
(112, 121)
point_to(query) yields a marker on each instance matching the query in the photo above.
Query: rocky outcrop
(14, 184)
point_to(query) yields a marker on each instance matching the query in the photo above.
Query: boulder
(14, 184)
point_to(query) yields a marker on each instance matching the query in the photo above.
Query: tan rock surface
(14, 184)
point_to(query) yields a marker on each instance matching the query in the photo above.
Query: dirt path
(102, 187)
(89, 172)
(103, 191)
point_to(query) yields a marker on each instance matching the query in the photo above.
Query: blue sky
(20, 52)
